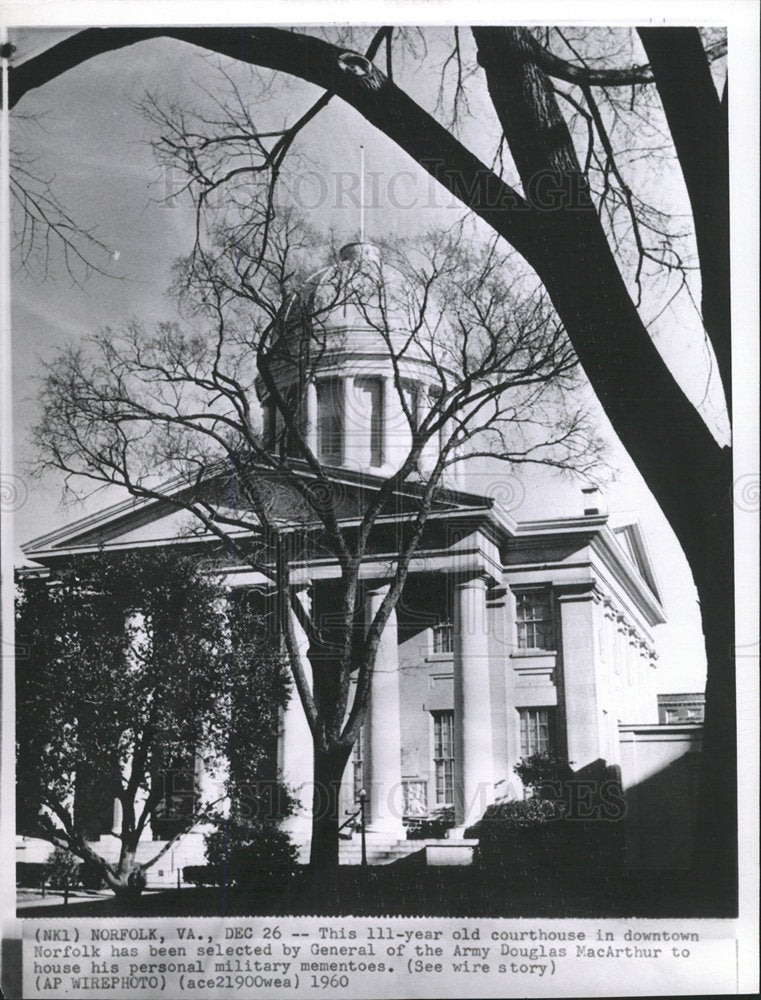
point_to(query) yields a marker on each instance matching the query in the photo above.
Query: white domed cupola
(360, 380)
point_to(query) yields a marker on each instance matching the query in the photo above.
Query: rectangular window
(537, 731)
(358, 762)
(533, 615)
(268, 424)
(443, 638)
(330, 420)
(297, 413)
(443, 757)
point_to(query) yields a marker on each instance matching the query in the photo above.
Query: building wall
(598, 675)
(659, 771)
(681, 708)
(426, 682)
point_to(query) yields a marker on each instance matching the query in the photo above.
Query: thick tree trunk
(716, 857)
(697, 120)
(128, 881)
(688, 473)
(655, 421)
(329, 767)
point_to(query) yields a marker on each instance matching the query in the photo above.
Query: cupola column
(349, 422)
(390, 408)
(310, 431)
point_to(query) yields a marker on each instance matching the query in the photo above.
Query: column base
(297, 826)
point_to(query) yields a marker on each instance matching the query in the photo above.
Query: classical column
(116, 818)
(137, 628)
(474, 777)
(209, 783)
(296, 747)
(390, 422)
(310, 430)
(349, 422)
(583, 712)
(383, 767)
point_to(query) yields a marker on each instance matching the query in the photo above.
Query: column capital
(584, 590)
(479, 581)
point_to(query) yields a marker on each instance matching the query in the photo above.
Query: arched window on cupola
(298, 406)
(268, 424)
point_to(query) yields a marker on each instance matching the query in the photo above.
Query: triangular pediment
(632, 540)
(136, 523)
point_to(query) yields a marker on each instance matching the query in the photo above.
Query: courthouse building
(512, 637)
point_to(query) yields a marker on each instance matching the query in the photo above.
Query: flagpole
(361, 194)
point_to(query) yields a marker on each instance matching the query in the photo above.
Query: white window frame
(529, 722)
(534, 628)
(443, 757)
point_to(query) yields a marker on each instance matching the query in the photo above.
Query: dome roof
(347, 354)
(359, 305)
(344, 291)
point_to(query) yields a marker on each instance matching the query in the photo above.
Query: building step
(378, 853)
(445, 851)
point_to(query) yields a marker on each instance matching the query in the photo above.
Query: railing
(349, 820)
(361, 813)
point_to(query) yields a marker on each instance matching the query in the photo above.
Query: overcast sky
(87, 133)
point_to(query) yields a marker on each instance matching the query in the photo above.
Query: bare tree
(183, 406)
(44, 231)
(548, 88)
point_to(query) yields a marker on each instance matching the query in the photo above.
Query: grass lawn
(399, 890)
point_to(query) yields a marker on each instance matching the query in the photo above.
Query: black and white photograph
(377, 443)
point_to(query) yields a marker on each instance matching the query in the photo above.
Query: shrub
(250, 852)
(90, 876)
(545, 776)
(539, 834)
(518, 814)
(512, 834)
(62, 869)
(31, 874)
(201, 874)
(433, 827)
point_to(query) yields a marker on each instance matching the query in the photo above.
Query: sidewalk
(33, 897)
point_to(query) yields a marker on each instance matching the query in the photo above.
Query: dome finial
(360, 252)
